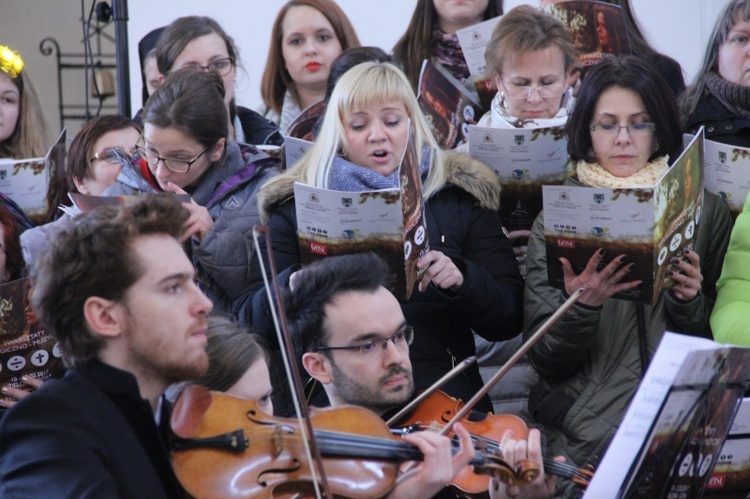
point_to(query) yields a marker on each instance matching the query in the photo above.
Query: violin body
(439, 408)
(258, 455)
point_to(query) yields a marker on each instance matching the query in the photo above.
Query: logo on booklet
(319, 249)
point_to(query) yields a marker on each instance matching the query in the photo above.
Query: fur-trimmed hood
(462, 170)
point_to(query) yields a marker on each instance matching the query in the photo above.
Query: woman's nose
(311, 47)
(376, 133)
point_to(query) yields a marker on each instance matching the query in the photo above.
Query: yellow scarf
(593, 175)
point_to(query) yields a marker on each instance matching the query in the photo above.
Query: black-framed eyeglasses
(401, 340)
(222, 66)
(636, 129)
(172, 164)
(111, 155)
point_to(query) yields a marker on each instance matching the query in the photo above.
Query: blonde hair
(361, 86)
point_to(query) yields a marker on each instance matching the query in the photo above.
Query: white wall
(678, 28)
(378, 22)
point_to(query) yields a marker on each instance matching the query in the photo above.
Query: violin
(224, 446)
(439, 409)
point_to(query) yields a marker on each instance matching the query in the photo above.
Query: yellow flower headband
(10, 61)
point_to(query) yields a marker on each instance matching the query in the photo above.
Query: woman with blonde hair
(307, 36)
(471, 279)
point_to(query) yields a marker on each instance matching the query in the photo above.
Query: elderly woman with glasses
(186, 149)
(530, 59)
(620, 135)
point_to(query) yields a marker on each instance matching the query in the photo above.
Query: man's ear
(317, 366)
(104, 317)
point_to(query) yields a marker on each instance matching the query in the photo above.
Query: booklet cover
(597, 29)
(303, 125)
(25, 348)
(447, 105)
(649, 225)
(84, 203)
(731, 476)
(26, 181)
(524, 161)
(474, 40)
(388, 222)
(294, 149)
(726, 171)
(673, 430)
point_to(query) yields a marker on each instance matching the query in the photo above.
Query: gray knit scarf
(346, 176)
(735, 97)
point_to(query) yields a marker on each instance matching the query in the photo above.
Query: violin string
(371, 444)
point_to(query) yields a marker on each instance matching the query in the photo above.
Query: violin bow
(292, 370)
(461, 367)
(464, 411)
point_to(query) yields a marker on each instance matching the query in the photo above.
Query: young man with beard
(117, 291)
(352, 337)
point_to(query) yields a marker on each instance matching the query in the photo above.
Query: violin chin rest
(188, 411)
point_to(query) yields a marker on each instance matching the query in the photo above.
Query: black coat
(258, 130)
(88, 434)
(721, 124)
(490, 301)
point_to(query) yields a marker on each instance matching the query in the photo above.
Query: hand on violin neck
(515, 451)
(440, 464)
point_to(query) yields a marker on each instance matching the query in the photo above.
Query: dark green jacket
(589, 363)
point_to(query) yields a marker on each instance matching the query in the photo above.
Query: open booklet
(597, 29)
(294, 149)
(26, 181)
(726, 170)
(388, 222)
(25, 347)
(447, 105)
(649, 225)
(670, 438)
(731, 476)
(474, 41)
(524, 160)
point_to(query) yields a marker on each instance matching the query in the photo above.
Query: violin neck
(334, 444)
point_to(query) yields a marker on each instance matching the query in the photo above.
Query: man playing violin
(117, 291)
(352, 338)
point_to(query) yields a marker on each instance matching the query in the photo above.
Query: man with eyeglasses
(352, 338)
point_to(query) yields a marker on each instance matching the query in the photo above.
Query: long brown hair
(276, 79)
(416, 44)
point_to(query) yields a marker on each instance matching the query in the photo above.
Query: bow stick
(464, 411)
(292, 370)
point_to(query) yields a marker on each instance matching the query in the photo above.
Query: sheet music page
(642, 410)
